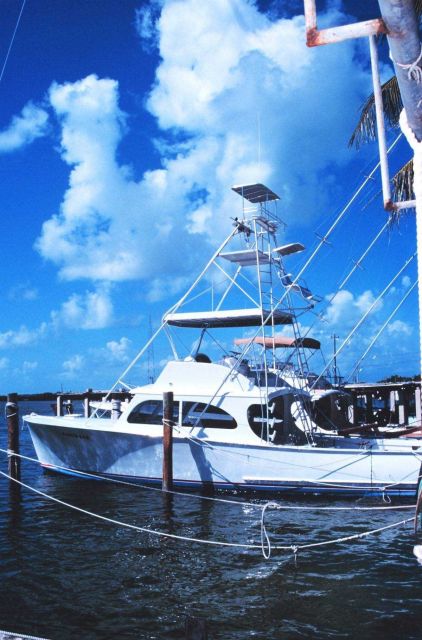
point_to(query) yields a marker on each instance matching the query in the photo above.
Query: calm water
(65, 575)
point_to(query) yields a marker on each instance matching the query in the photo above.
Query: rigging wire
(196, 496)
(12, 41)
(377, 335)
(322, 242)
(276, 306)
(265, 546)
(356, 265)
(358, 324)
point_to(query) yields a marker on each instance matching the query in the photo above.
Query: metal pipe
(315, 37)
(403, 38)
(379, 112)
(389, 205)
(406, 204)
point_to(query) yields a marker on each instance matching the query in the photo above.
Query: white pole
(379, 112)
(417, 188)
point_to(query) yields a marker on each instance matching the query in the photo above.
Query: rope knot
(414, 71)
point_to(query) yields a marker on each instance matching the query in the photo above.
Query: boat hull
(137, 457)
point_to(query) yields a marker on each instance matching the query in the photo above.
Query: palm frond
(365, 130)
(403, 183)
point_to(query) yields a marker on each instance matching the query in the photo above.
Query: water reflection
(65, 575)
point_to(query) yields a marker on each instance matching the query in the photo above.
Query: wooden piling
(167, 484)
(195, 629)
(12, 419)
(59, 405)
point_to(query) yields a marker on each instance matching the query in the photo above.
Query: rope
(161, 534)
(265, 541)
(265, 545)
(137, 485)
(19, 636)
(318, 483)
(380, 489)
(414, 72)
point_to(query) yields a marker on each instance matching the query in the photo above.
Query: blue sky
(123, 125)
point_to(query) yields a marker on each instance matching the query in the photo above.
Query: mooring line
(20, 636)
(197, 496)
(135, 527)
(135, 484)
(265, 546)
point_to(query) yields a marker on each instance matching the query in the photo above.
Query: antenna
(150, 356)
(336, 376)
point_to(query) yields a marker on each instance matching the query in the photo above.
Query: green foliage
(403, 183)
(397, 378)
(365, 130)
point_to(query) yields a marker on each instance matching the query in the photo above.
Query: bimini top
(280, 342)
(227, 318)
(255, 193)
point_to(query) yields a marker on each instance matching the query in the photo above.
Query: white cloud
(161, 288)
(399, 327)
(146, 18)
(28, 366)
(366, 300)
(339, 308)
(118, 350)
(230, 69)
(22, 336)
(406, 282)
(23, 129)
(73, 365)
(4, 363)
(93, 310)
(346, 309)
(23, 292)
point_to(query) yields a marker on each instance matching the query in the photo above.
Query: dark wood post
(167, 484)
(195, 629)
(12, 418)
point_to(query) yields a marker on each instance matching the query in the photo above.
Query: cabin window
(193, 414)
(151, 412)
(271, 380)
(206, 416)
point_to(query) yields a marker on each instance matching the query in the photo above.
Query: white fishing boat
(242, 419)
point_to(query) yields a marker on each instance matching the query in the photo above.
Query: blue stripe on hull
(403, 491)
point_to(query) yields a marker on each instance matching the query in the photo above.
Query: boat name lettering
(80, 436)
